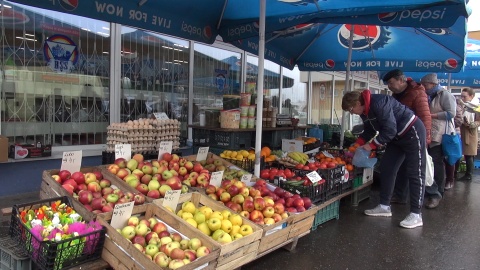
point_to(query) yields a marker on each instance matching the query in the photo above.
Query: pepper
(23, 216)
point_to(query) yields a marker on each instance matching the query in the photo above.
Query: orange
(267, 150)
(349, 167)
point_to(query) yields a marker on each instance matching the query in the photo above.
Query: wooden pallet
(238, 252)
(120, 253)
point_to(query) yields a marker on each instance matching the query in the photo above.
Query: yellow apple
(226, 226)
(188, 207)
(224, 238)
(203, 227)
(186, 215)
(235, 230)
(226, 214)
(207, 211)
(246, 230)
(269, 221)
(180, 212)
(217, 234)
(237, 236)
(216, 214)
(192, 222)
(214, 224)
(236, 219)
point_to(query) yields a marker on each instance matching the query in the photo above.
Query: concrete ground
(449, 239)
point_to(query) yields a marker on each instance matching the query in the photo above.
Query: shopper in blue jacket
(404, 136)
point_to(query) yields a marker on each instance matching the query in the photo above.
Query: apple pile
(258, 203)
(96, 193)
(155, 178)
(223, 226)
(165, 248)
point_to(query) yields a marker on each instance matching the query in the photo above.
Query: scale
(284, 120)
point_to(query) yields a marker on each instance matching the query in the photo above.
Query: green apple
(151, 250)
(214, 224)
(216, 234)
(194, 243)
(199, 217)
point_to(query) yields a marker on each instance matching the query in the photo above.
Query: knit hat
(391, 74)
(430, 78)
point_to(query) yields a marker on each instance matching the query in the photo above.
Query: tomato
(311, 166)
(307, 182)
(322, 166)
(273, 171)
(331, 165)
(288, 173)
(265, 174)
(299, 166)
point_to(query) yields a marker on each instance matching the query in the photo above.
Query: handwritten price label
(314, 177)
(202, 153)
(327, 154)
(171, 199)
(161, 116)
(216, 178)
(164, 147)
(246, 178)
(71, 161)
(123, 151)
(121, 213)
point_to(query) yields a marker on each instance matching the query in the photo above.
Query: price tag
(314, 177)
(123, 151)
(202, 153)
(161, 116)
(121, 213)
(327, 154)
(171, 199)
(164, 147)
(246, 178)
(71, 161)
(216, 178)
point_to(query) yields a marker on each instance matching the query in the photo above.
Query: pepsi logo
(451, 64)
(330, 64)
(387, 17)
(10, 16)
(69, 5)
(207, 32)
(364, 36)
(436, 31)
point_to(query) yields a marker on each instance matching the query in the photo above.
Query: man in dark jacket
(412, 95)
(403, 133)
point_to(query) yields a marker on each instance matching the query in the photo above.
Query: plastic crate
(346, 185)
(12, 256)
(328, 131)
(357, 181)
(327, 213)
(202, 136)
(246, 164)
(317, 194)
(231, 140)
(360, 195)
(55, 254)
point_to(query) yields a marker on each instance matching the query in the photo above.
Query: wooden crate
(234, 254)
(120, 253)
(301, 223)
(51, 188)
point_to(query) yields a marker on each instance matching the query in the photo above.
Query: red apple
(64, 175)
(79, 177)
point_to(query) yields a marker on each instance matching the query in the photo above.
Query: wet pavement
(449, 239)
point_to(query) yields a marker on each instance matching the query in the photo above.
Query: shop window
(54, 77)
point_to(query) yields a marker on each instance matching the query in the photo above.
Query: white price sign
(121, 213)
(161, 116)
(246, 178)
(314, 177)
(171, 199)
(164, 147)
(202, 153)
(71, 161)
(216, 178)
(123, 151)
(327, 154)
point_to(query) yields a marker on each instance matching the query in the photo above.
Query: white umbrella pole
(347, 84)
(449, 82)
(261, 60)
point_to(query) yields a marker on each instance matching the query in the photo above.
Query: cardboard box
(21, 151)
(297, 145)
(3, 149)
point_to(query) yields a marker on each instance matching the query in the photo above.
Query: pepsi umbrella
(203, 20)
(469, 76)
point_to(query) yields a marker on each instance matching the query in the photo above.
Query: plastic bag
(429, 171)
(361, 158)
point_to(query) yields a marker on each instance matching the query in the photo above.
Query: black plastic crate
(332, 173)
(317, 193)
(333, 189)
(202, 136)
(231, 140)
(55, 255)
(346, 185)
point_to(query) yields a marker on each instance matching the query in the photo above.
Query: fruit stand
(237, 220)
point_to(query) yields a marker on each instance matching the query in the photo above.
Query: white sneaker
(378, 211)
(412, 221)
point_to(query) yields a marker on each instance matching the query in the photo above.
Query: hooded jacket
(387, 116)
(415, 98)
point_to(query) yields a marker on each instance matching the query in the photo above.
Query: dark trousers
(470, 165)
(449, 171)
(438, 186)
(410, 148)
(401, 183)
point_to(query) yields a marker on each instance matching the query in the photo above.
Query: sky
(474, 19)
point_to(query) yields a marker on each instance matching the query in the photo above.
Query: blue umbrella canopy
(203, 20)
(324, 47)
(469, 75)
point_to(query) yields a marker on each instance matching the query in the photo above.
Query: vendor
(404, 135)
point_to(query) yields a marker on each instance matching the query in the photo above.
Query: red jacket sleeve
(422, 110)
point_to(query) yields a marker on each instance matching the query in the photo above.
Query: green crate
(358, 181)
(360, 195)
(328, 130)
(327, 213)
(12, 256)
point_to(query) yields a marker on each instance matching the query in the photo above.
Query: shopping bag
(429, 171)
(451, 145)
(362, 158)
